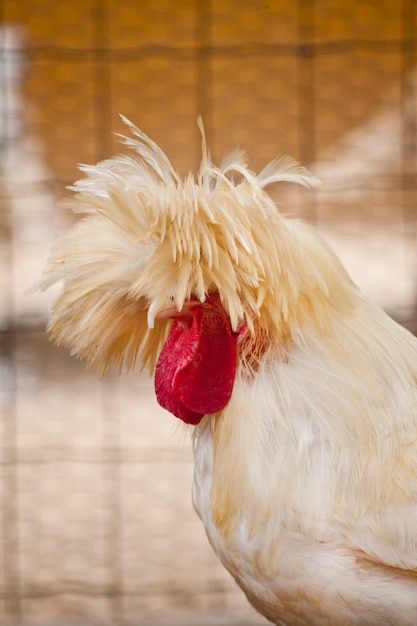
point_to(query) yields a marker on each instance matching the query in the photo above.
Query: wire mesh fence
(96, 519)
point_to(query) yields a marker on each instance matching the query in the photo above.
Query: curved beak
(170, 310)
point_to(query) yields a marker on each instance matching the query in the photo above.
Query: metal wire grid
(80, 482)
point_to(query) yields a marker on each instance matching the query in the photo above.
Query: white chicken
(302, 393)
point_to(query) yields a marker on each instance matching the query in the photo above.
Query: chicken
(300, 392)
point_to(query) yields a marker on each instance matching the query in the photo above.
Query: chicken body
(316, 519)
(305, 426)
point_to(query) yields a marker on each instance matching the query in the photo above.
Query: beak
(168, 312)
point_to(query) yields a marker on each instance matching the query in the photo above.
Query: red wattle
(195, 371)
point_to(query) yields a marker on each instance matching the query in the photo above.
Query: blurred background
(96, 521)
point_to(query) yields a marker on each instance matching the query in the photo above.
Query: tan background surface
(96, 523)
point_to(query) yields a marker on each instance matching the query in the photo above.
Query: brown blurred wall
(272, 76)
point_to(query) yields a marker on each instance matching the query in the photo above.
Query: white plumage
(306, 477)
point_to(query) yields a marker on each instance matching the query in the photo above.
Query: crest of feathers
(149, 238)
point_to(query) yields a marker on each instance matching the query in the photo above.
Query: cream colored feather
(307, 480)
